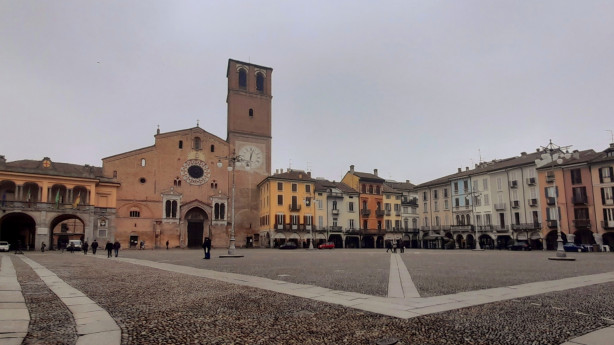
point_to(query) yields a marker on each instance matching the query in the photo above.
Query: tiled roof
(368, 176)
(55, 169)
(603, 156)
(323, 185)
(292, 175)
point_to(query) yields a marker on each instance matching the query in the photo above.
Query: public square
(309, 297)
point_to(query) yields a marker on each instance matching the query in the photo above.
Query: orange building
(51, 202)
(370, 187)
(174, 190)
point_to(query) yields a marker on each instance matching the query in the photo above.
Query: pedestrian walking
(85, 246)
(207, 248)
(71, 248)
(94, 246)
(388, 246)
(109, 248)
(43, 245)
(116, 247)
(394, 246)
(166, 244)
(141, 245)
(402, 246)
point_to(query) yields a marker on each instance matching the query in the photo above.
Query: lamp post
(475, 194)
(232, 164)
(554, 154)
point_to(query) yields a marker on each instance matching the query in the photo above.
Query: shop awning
(295, 236)
(320, 237)
(279, 236)
(431, 237)
(536, 235)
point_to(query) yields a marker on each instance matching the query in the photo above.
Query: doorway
(196, 218)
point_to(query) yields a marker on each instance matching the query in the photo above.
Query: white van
(77, 244)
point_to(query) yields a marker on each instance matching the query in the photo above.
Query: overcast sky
(414, 89)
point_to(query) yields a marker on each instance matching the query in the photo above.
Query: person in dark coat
(116, 247)
(207, 247)
(166, 244)
(85, 247)
(388, 246)
(94, 247)
(109, 248)
(43, 245)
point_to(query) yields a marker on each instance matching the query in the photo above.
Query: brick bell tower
(249, 135)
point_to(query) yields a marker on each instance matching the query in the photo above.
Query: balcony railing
(532, 202)
(550, 200)
(335, 228)
(609, 225)
(365, 212)
(462, 227)
(294, 207)
(335, 212)
(335, 195)
(515, 204)
(425, 228)
(526, 226)
(582, 223)
(500, 206)
(514, 184)
(486, 228)
(501, 228)
(531, 181)
(379, 213)
(388, 213)
(579, 199)
(551, 223)
(549, 178)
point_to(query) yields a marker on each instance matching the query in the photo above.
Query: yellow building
(50, 202)
(287, 209)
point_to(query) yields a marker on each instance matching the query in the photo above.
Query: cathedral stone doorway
(196, 218)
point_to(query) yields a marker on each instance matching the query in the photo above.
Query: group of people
(393, 245)
(110, 247)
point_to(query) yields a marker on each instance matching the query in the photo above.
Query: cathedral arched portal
(19, 229)
(196, 218)
(66, 227)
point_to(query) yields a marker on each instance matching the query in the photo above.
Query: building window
(364, 188)
(171, 209)
(351, 206)
(280, 186)
(242, 78)
(251, 112)
(445, 192)
(377, 190)
(280, 199)
(351, 224)
(260, 82)
(334, 205)
(114, 173)
(143, 162)
(294, 187)
(370, 189)
(212, 148)
(576, 176)
(307, 188)
(605, 175)
(135, 214)
(197, 143)
(180, 144)
(219, 211)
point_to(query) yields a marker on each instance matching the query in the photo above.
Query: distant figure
(71, 247)
(43, 245)
(402, 246)
(85, 247)
(207, 248)
(388, 246)
(116, 247)
(109, 248)
(142, 245)
(94, 247)
(394, 246)
(166, 244)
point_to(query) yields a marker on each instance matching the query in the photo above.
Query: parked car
(572, 247)
(77, 244)
(327, 245)
(288, 245)
(4, 246)
(520, 245)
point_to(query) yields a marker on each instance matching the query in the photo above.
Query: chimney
(466, 168)
(309, 173)
(351, 169)
(375, 172)
(522, 154)
(460, 169)
(406, 181)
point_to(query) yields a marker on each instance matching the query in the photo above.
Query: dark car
(520, 245)
(288, 245)
(572, 247)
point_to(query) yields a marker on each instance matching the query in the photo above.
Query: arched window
(242, 78)
(142, 162)
(364, 188)
(377, 190)
(334, 204)
(212, 148)
(468, 220)
(364, 204)
(379, 206)
(216, 211)
(180, 144)
(222, 211)
(260, 82)
(370, 189)
(168, 209)
(174, 209)
(197, 143)
(458, 221)
(251, 112)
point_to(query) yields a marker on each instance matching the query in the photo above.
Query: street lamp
(311, 203)
(554, 154)
(232, 164)
(474, 195)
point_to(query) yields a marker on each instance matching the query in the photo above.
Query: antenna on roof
(611, 135)
(290, 163)
(197, 123)
(308, 166)
(480, 153)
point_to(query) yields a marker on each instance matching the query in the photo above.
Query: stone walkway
(94, 324)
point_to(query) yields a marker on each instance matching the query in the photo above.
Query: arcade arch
(19, 229)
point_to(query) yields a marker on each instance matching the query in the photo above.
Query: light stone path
(94, 325)
(400, 284)
(14, 315)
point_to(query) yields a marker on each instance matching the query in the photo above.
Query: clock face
(251, 155)
(195, 172)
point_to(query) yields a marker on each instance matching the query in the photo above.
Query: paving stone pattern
(160, 307)
(50, 319)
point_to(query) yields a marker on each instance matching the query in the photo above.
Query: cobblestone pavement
(159, 307)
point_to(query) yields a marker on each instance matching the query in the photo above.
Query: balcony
(462, 228)
(514, 184)
(336, 229)
(579, 199)
(425, 228)
(486, 228)
(388, 213)
(379, 213)
(531, 181)
(549, 178)
(500, 206)
(550, 200)
(365, 212)
(551, 223)
(582, 224)
(515, 204)
(526, 226)
(294, 207)
(533, 202)
(334, 212)
(609, 225)
(501, 228)
(335, 195)
(395, 230)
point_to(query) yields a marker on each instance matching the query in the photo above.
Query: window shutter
(600, 175)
